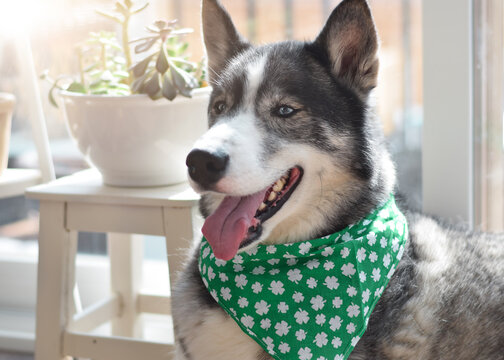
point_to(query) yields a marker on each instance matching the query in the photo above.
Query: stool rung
(96, 314)
(154, 304)
(113, 347)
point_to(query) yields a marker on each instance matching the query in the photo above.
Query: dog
(302, 110)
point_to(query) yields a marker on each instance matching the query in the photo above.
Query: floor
(15, 356)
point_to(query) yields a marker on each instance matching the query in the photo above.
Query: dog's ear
(351, 42)
(222, 40)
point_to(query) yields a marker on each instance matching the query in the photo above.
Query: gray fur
(446, 298)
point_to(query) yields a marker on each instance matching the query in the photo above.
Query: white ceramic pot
(7, 102)
(133, 140)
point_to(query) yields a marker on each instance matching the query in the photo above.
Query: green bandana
(310, 300)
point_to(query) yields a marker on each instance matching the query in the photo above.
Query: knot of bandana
(311, 299)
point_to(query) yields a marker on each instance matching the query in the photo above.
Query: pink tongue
(227, 227)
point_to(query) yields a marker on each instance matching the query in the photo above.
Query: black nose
(206, 168)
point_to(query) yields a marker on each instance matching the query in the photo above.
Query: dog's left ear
(351, 42)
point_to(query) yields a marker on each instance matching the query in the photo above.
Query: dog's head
(293, 150)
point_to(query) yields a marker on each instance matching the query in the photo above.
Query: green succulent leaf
(183, 81)
(162, 61)
(169, 90)
(109, 16)
(146, 45)
(140, 68)
(138, 84)
(141, 8)
(152, 86)
(52, 100)
(76, 87)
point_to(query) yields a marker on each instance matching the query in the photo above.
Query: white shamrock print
(344, 253)
(241, 281)
(353, 310)
(378, 292)
(331, 282)
(243, 302)
(284, 348)
(317, 302)
(205, 282)
(305, 354)
(350, 328)
(233, 311)
(400, 253)
(380, 226)
(336, 342)
(291, 262)
(258, 270)
(214, 295)
(335, 323)
(328, 265)
(351, 291)
(312, 283)
(386, 260)
(225, 293)
(252, 251)
(282, 328)
(262, 307)
(337, 302)
(384, 213)
(320, 319)
(347, 237)
(300, 335)
(348, 269)
(256, 287)
(391, 272)
(383, 242)
(376, 274)
(223, 277)
(206, 251)
(373, 257)
(339, 357)
(265, 324)
(321, 358)
(366, 309)
(304, 248)
(204, 269)
(274, 271)
(366, 222)
(238, 259)
(298, 297)
(371, 238)
(294, 275)
(273, 261)
(365, 295)
(276, 287)
(312, 264)
(269, 343)
(283, 307)
(362, 276)
(301, 317)
(220, 262)
(211, 274)
(247, 321)
(361, 254)
(321, 339)
(400, 229)
(395, 244)
(355, 340)
(237, 267)
(328, 251)
(271, 249)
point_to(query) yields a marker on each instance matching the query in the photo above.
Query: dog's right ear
(222, 40)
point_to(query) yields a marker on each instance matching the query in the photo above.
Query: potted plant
(7, 102)
(135, 122)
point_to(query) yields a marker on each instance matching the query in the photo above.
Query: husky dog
(298, 115)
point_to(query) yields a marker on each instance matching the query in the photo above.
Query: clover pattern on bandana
(310, 300)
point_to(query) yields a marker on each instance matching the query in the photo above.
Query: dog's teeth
(272, 196)
(262, 206)
(278, 186)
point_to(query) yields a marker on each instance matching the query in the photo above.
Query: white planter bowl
(134, 141)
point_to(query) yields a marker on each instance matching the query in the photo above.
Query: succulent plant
(106, 66)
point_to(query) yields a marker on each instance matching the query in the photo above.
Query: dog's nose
(206, 168)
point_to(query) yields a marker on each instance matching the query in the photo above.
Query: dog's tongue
(228, 226)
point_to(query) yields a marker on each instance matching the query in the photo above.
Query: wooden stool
(82, 203)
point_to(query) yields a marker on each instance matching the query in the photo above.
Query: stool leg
(126, 254)
(55, 281)
(178, 228)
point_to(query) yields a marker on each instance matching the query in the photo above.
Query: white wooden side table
(82, 203)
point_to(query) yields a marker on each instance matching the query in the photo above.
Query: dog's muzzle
(206, 168)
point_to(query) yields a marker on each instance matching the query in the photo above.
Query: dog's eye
(219, 107)
(284, 111)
